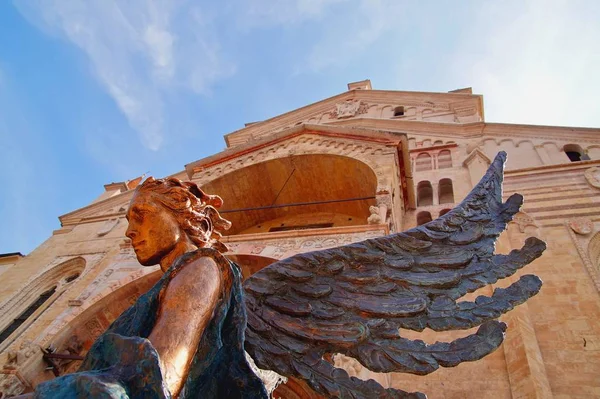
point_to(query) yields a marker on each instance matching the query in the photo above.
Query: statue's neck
(183, 246)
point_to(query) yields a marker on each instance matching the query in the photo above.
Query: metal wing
(353, 299)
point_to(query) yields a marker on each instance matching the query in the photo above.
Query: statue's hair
(195, 210)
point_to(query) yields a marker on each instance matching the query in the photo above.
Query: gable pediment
(371, 104)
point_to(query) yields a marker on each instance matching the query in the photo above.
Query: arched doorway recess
(296, 192)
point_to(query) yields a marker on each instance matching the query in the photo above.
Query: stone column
(436, 193)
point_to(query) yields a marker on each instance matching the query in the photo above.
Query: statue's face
(153, 229)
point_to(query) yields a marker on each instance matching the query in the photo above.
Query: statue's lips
(138, 244)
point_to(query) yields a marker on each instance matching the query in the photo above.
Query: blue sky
(98, 91)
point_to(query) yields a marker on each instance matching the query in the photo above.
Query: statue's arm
(185, 311)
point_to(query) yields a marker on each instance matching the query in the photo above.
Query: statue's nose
(130, 233)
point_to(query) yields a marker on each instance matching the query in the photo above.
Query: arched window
(22, 309)
(424, 193)
(446, 193)
(423, 217)
(444, 159)
(575, 153)
(399, 111)
(444, 211)
(438, 142)
(26, 314)
(423, 162)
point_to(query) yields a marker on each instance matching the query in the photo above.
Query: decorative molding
(470, 130)
(368, 153)
(286, 247)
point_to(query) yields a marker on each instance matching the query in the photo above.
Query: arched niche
(315, 183)
(446, 191)
(424, 193)
(423, 162)
(423, 217)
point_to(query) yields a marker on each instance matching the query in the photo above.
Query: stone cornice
(477, 129)
(433, 148)
(545, 169)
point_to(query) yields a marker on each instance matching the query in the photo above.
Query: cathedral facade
(360, 164)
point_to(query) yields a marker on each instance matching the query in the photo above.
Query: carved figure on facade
(523, 220)
(188, 333)
(375, 217)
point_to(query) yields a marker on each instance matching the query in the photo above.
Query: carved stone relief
(349, 109)
(582, 243)
(583, 226)
(12, 384)
(592, 175)
(282, 248)
(375, 217)
(18, 357)
(523, 220)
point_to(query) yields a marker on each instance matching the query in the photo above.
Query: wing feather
(354, 299)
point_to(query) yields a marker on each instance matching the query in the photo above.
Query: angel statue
(185, 338)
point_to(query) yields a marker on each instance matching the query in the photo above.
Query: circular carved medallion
(593, 176)
(581, 226)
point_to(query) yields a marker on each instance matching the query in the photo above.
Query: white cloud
(140, 50)
(343, 40)
(535, 62)
(345, 28)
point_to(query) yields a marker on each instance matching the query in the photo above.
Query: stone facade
(357, 165)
